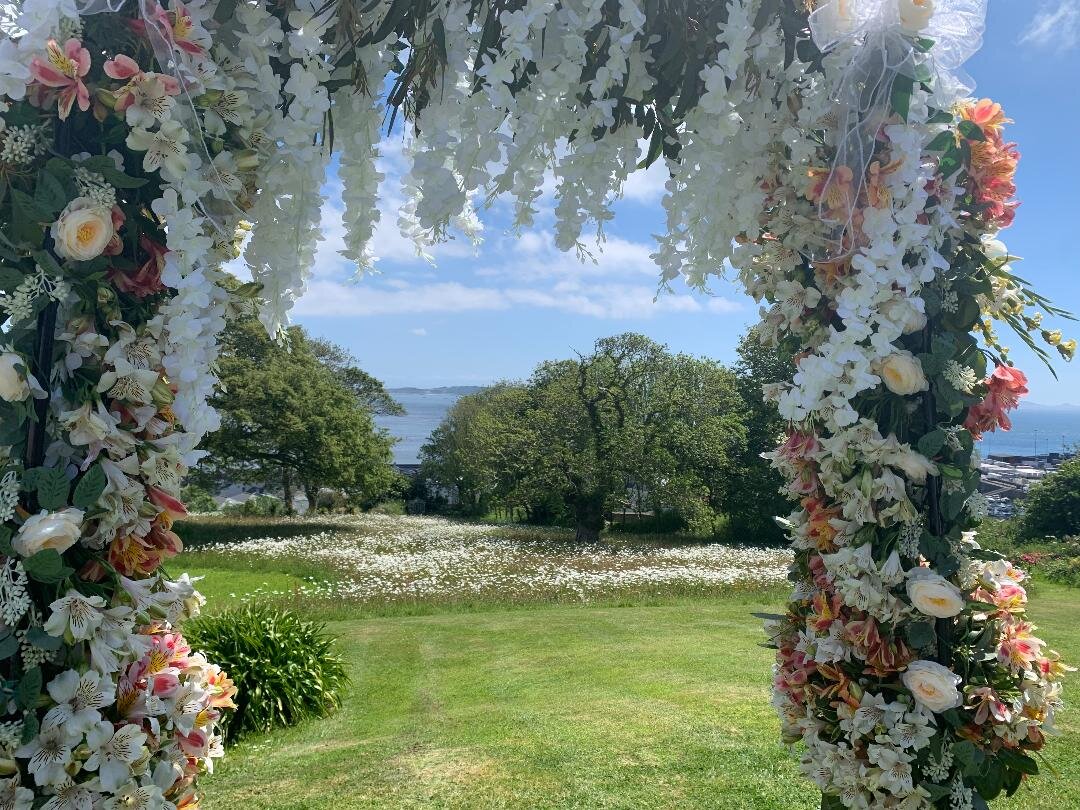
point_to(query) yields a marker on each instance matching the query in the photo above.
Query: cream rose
(933, 595)
(83, 230)
(933, 685)
(915, 15)
(902, 373)
(13, 384)
(55, 530)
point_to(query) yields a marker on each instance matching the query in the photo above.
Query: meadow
(497, 667)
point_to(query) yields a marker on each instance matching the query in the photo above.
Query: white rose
(55, 530)
(915, 14)
(905, 314)
(914, 465)
(13, 384)
(933, 685)
(83, 230)
(902, 373)
(933, 595)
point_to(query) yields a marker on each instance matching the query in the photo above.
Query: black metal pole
(41, 368)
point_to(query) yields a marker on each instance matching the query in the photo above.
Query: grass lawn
(664, 706)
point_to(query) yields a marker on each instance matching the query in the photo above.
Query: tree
(289, 419)
(1052, 507)
(753, 497)
(581, 434)
(370, 392)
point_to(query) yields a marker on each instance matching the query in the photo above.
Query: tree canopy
(298, 416)
(628, 425)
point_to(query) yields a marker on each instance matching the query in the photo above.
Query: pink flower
(1006, 385)
(166, 502)
(149, 90)
(986, 704)
(64, 71)
(147, 279)
(176, 26)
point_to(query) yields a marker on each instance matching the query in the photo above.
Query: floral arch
(827, 152)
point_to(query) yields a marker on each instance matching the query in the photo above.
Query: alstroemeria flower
(64, 71)
(165, 148)
(147, 97)
(176, 26)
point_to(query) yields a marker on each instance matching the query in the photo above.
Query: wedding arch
(827, 153)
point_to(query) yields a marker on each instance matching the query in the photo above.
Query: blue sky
(495, 312)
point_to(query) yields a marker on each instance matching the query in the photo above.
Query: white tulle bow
(885, 39)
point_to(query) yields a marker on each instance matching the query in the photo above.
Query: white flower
(49, 753)
(75, 614)
(150, 101)
(13, 384)
(14, 73)
(15, 797)
(933, 595)
(914, 465)
(164, 148)
(72, 795)
(902, 373)
(133, 796)
(915, 15)
(933, 685)
(83, 230)
(55, 530)
(113, 752)
(78, 699)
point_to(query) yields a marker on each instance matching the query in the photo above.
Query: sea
(1036, 429)
(424, 410)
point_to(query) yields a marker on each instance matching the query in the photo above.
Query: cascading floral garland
(833, 160)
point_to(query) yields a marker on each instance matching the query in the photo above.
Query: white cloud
(609, 300)
(419, 331)
(1054, 26)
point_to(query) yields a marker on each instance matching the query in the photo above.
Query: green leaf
(1018, 761)
(49, 192)
(10, 278)
(26, 207)
(9, 645)
(900, 98)
(42, 640)
(89, 488)
(921, 634)
(941, 142)
(47, 566)
(5, 542)
(31, 726)
(26, 693)
(930, 444)
(52, 489)
(971, 131)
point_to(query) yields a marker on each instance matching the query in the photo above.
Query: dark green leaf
(26, 693)
(89, 488)
(971, 131)
(9, 645)
(52, 489)
(39, 638)
(47, 566)
(900, 98)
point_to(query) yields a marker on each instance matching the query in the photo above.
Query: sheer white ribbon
(881, 36)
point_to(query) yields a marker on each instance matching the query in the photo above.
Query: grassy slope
(600, 707)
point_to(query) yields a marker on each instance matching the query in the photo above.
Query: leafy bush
(1052, 507)
(198, 500)
(257, 506)
(286, 669)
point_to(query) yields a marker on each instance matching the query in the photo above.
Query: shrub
(286, 669)
(198, 500)
(257, 506)
(1052, 507)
